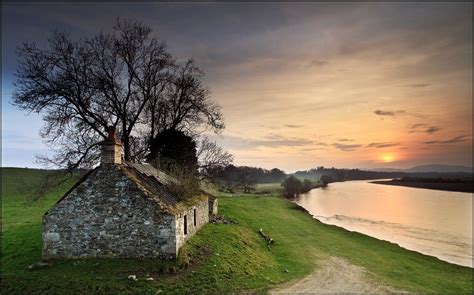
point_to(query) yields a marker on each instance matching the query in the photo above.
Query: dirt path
(336, 275)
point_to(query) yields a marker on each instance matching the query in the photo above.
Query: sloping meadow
(221, 258)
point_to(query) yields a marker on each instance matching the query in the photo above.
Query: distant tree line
(231, 178)
(341, 174)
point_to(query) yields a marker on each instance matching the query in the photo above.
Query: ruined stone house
(122, 209)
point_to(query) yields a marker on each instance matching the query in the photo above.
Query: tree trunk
(126, 148)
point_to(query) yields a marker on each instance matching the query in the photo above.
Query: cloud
(275, 140)
(384, 113)
(346, 147)
(389, 113)
(414, 126)
(456, 139)
(432, 129)
(273, 127)
(421, 127)
(319, 63)
(304, 150)
(394, 113)
(396, 44)
(339, 145)
(382, 144)
(271, 141)
(418, 85)
(321, 143)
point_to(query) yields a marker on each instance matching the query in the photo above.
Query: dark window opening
(194, 217)
(185, 224)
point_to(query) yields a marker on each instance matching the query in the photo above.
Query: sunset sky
(301, 85)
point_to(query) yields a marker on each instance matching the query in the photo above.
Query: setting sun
(387, 158)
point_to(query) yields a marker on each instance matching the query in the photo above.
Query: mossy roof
(153, 183)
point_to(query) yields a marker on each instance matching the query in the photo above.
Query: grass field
(221, 258)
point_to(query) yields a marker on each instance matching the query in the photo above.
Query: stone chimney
(111, 149)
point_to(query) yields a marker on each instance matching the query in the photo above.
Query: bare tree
(124, 79)
(81, 87)
(186, 103)
(212, 156)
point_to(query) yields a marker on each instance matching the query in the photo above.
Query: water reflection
(436, 223)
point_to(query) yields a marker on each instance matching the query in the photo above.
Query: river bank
(436, 223)
(221, 258)
(460, 186)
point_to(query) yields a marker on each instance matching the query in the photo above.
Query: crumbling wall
(107, 215)
(198, 212)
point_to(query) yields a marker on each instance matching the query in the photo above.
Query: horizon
(303, 170)
(352, 85)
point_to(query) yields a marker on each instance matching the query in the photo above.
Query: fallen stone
(219, 219)
(42, 263)
(37, 265)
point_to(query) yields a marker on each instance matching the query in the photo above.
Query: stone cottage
(122, 209)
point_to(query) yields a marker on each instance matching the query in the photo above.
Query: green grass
(269, 188)
(222, 258)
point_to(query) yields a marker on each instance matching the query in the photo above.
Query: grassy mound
(221, 258)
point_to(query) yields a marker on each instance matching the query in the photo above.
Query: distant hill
(429, 168)
(384, 169)
(440, 168)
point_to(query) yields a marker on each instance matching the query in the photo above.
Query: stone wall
(213, 204)
(201, 211)
(107, 215)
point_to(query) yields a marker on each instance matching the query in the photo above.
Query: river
(437, 223)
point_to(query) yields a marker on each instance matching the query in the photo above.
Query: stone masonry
(196, 217)
(111, 149)
(121, 210)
